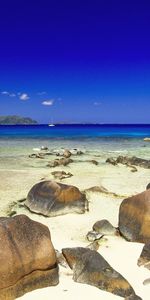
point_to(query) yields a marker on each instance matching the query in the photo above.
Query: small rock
(67, 153)
(44, 148)
(93, 236)
(104, 227)
(61, 174)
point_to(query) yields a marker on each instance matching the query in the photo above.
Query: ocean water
(17, 142)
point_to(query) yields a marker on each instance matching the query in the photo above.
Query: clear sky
(75, 61)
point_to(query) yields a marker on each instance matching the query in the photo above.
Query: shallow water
(99, 142)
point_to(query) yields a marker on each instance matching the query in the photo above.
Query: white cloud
(8, 94)
(48, 102)
(5, 93)
(24, 96)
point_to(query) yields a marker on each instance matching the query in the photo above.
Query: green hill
(16, 120)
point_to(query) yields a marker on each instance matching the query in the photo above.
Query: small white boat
(51, 125)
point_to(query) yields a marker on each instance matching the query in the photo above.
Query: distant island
(16, 120)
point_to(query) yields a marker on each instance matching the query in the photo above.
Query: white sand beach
(70, 230)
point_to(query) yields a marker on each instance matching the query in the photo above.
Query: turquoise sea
(17, 141)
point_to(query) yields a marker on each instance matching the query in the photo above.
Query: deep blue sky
(89, 60)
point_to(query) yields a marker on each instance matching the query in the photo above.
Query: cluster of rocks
(44, 151)
(60, 162)
(130, 162)
(29, 261)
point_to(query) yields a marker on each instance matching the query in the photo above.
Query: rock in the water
(144, 259)
(147, 139)
(104, 227)
(44, 148)
(111, 161)
(52, 199)
(58, 162)
(67, 153)
(134, 218)
(93, 161)
(91, 268)
(61, 174)
(27, 257)
(130, 162)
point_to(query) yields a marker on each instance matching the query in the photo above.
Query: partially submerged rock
(27, 257)
(144, 259)
(134, 218)
(61, 175)
(52, 199)
(67, 153)
(89, 267)
(130, 161)
(93, 161)
(58, 162)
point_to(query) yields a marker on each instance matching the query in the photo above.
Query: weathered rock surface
(93, 236)
(144, 259)
(134, 218)
(58, 162)
(130, 161)
(27, 257)
(52, 199)
(91, 268)
(104, 227)
(61, 174)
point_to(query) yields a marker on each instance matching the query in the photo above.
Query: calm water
(74, 131)
(16, 142)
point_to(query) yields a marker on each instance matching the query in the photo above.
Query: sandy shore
(70, 230)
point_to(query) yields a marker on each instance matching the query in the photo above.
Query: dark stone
(52, 199)
(91, 268)
(28, 259)
(104, 227)
(94, 162)
(111, 161)
(130, 161)
(134, 218)
(58, 162)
